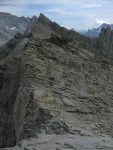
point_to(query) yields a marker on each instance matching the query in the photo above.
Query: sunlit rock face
(56, 85)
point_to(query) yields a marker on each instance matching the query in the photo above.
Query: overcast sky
(77, 14)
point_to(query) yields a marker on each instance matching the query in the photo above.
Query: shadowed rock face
(59, 87)
(105, 42)
(10, 75)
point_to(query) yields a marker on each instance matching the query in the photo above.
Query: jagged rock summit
(56, 90)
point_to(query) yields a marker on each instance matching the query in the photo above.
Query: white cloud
(55, 10)
(101, 21)
(43, 2)
(81, 3)
(91, 5)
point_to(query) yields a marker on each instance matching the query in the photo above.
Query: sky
(77, 14)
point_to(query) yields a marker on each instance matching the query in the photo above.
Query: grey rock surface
(61, 95)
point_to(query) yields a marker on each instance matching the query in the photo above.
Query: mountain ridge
(61, 95)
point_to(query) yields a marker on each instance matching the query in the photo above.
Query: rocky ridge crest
(61, 87)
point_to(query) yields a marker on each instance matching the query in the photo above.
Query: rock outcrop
(52, 85)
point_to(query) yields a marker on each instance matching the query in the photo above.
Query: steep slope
(60, 91)
(10, 25)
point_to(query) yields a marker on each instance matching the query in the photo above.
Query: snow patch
(13, 28)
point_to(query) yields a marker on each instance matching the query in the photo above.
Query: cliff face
(105, 42)
(58, 88)
(102, 45)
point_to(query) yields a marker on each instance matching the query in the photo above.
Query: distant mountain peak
(96, 31)
(10, 25)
